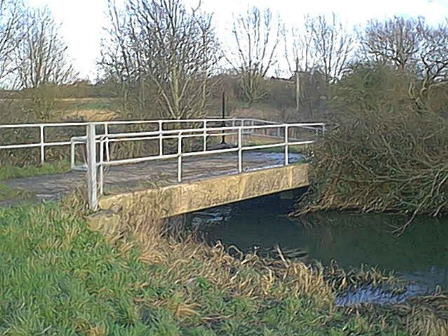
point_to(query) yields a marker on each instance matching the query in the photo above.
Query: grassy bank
(60, 278)
(8, 172)
(11, 172)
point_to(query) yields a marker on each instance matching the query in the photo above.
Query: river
(419, 255)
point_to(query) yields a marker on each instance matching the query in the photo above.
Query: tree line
(163, 53)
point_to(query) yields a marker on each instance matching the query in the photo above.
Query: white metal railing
(99, 136)
(95, 166)
(105, 128)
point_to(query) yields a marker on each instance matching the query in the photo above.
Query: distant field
(100, 109)
(92, 109)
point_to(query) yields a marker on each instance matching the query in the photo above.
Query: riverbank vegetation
(386, 152)
(62, 278)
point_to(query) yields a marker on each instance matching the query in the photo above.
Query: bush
(385, 154)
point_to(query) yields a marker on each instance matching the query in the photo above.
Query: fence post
(92, 187)
(286, 145)
(240, 150)
(42, 144)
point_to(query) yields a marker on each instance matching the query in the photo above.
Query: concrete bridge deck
(149, 175)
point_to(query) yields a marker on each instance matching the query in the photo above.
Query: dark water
(420, 255)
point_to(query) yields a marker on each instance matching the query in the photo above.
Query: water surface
(420, 255)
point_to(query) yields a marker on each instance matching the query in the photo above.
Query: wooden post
(92, 187)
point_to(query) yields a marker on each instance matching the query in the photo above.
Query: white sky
(83, 20)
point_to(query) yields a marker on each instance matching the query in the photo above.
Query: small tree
(10, 33)
(42, 53)
(41, 60)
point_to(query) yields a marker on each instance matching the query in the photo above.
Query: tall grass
(60, 278)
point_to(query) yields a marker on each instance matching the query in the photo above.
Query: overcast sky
(83, 20)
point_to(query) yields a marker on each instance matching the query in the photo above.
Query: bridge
(178, 166)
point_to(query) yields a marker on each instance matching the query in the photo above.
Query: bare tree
(317, 53)
(10, 19)
(395, 41)
(171, 48)
(412, 46)
(120, 58)
(298, 48)
(322, 44)
(41, 55)
(256, 35)
(432, 63)
(332, 45)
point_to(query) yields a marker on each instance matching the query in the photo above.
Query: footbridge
(178, 166)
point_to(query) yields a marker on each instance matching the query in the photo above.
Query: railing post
(240, 150)
(42, 144)
(205, 135)
(92, 187)
(72, 155)
(106, 133)
(286, 145)
(179, 158)
(101, 167)
(160, 138)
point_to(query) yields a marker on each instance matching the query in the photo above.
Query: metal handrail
(239, 128)
(105, 161)
(160, 124)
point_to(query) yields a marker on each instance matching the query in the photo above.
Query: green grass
(7, 193)
(299, 149)
(59, 278)
(9, 172)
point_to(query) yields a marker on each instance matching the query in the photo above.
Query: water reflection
(419, 255)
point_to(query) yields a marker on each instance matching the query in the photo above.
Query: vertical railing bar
(286, 145)
(205, 135)
(179, 158)
(240, 150)
(160, 138)
(42, 144)
(72, 154)
(92, 187)
(106, 133)
(101, 166)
